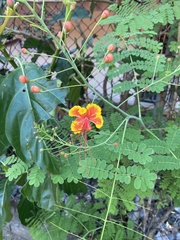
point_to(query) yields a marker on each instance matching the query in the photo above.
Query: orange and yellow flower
(85, 115)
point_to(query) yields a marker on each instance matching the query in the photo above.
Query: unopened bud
(10, 3)
(73, 6)
(24, 50)
(105, 14)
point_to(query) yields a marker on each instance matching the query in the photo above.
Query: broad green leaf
(6, 189)
(3, 139)
(75, 91)
(64, 69)
(20, 109)
(73, 188)
(41, 46)
(44, 195)
(23, 205)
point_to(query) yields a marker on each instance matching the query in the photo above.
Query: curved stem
(114, 183)
(21, 65)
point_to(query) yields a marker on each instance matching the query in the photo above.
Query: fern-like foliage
(164, 163)
(15, 167)
(36, 176)
(95, 169)
(71, 219)
(137, 153)
(137, 48)
(170, 185)
(172, 138)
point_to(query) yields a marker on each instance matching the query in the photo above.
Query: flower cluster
(85, 115)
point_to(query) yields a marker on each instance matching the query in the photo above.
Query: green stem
(114, 183)
(54, 60)
(8, 58)
(21, 66)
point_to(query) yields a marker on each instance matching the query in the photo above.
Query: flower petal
(77, 111)
(92, 110)
(98, 121)
(76, 127)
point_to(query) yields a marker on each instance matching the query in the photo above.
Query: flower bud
(10, 3)
(105, 14)
(108, 58)
(24, 51)
(35, 89)
(73, 6)
(68, 26)
(111, 48)
(23, 79)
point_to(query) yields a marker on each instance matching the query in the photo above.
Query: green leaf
(127, 179)
(64, 69)
(137, 183)
(57, 178)
(123, 86)
(139, 154)
(36, 176)
(3, 139)
(73, 188)
(44, 195)
(75, 91)
(16, 170)
(20, 109)
(95, 168)
(172, 138)
(41, 46)
(23, 205)
(6, 189)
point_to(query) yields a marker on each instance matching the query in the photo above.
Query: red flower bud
(24, 51)
(23, 79)
(10, 3)
(108, 58)
(35, 89)
(68, 26)
(73, 6)
(111, 48)
(105, 14)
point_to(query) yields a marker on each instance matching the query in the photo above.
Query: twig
(156, 225)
